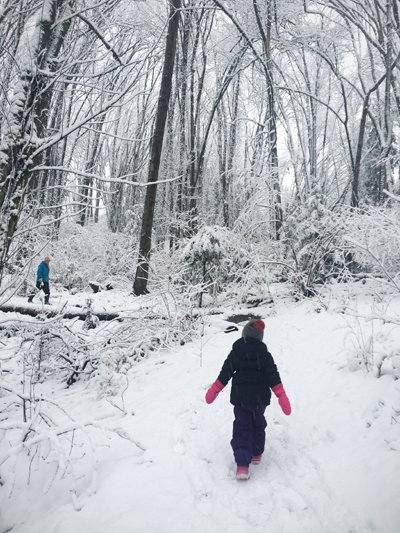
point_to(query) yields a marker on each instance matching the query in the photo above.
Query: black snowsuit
(254, 374)
(253, 371)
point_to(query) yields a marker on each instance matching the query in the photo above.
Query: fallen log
(50, 313)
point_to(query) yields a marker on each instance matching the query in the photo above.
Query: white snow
(332, 466)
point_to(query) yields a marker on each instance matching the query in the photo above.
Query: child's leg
(242, 440)
(259, 429)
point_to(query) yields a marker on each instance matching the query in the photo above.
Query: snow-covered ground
(332, 466)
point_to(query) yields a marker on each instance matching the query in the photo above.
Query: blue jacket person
(42, 280)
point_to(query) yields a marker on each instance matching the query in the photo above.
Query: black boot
(30, 299)
(46, 299)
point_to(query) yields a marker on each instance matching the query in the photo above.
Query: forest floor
(332, 466)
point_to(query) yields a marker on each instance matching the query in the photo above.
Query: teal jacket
(43, 272)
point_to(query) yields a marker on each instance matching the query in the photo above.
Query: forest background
(274, 124)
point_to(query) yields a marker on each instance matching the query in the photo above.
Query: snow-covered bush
(396, 366)
(368, 346)
(28, 248)
(40, 439)
(373, 335)
(217, 259)
(204, 257)
(375, 237)
(91, 320)
(165, 317)
(51, 348)
(131, 340)
(37, 432)
(78, 256)
(93, 252)
(107, 379)
(359, 346)
(314, 250)
(250, 285)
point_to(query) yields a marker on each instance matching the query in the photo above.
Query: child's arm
(283, 400)
(213, 391)
(224, 376)
(275, 384)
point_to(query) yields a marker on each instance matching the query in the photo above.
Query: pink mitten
(283, 400)
(213, 391)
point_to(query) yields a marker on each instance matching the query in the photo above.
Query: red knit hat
(255, 329)
(259, 325)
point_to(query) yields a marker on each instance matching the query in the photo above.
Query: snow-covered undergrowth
(132, 445)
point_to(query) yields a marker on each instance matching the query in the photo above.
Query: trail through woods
(330, 467)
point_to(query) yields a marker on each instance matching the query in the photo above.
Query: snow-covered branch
(123, 179)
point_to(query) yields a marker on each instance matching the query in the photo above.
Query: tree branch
(101, 37)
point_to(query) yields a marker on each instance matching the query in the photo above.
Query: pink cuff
(278, 389)
(218, 385)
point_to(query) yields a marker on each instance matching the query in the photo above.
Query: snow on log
(32, 311)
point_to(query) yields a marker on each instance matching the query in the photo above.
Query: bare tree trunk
(194, 179)
(388, 139)
(271, 123)
(183, 85)
(231, 150)
(142, 271)
(227, 147)
(222, 141)
(86, 198)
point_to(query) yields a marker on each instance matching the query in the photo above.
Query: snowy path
(329, 467)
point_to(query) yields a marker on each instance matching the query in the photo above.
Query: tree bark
(86, 198)
(142, 271)
(271, 122)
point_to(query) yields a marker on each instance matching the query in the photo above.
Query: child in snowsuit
(254, 375)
